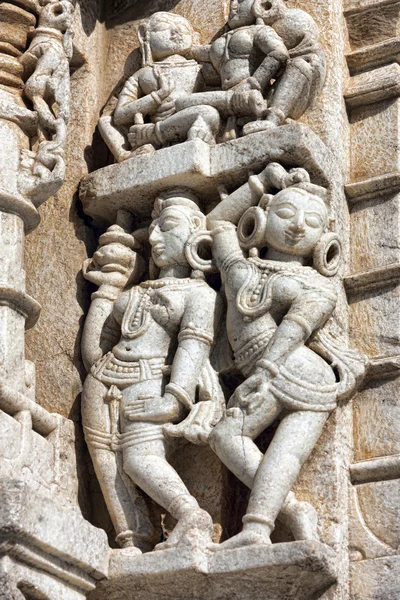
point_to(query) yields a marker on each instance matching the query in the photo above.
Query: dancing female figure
(276, 307)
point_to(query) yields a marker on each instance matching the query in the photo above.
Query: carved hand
(159, 410)
(198, 424)
(166, 88)
(252, 392)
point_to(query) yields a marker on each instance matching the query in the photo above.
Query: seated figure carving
(147, 348)
(277, 309)
(146, 108)
(267, 43)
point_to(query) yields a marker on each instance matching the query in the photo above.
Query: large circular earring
(251, 227)
(328, 254)
(192, 252)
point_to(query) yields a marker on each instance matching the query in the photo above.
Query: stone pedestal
(134, 183)
(46, 547)
(293, 571)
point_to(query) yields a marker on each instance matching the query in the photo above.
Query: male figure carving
(151, 93)
(267, 42)
(160, 334)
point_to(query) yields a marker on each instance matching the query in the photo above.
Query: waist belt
(113, 371)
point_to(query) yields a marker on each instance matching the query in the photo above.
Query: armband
(268, 365)
(195, 333)
(156, 98)
(300, 321)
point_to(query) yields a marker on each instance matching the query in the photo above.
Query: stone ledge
(38, 532)
(374, 86)
(374, 56)
(133, 184)
(292, 571)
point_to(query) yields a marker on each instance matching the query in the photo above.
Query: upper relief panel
(266, 68)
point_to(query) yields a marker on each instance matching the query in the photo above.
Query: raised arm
(276, 56)
(232, 207)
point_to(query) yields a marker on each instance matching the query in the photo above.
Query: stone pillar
(372, 98)
(43, 536)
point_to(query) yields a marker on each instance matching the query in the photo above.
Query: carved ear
(143, 36)
(197, 222)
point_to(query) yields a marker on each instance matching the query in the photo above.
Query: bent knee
(231, 425)
(209, 114)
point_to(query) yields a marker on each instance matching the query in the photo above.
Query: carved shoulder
(120, 306)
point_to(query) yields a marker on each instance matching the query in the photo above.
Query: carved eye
(285, 212)
(168, 224)
(313, 221)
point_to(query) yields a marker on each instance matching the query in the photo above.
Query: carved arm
(309, 311)
(195, 340)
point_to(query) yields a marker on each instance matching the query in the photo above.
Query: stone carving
(277, 308)
(148, 348)
(267, 42)
(275, 44)
(152, 92)
(46, 63)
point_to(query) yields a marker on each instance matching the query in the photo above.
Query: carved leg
(147, 466)
(127, 510)
(232, 439)
(198, 122)
(292, 94)
(293, 442)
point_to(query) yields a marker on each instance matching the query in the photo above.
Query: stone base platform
(133, 184)
(292, 571)
(47, 551)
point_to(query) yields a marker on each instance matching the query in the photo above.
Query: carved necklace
(255, 296)
(137, 317)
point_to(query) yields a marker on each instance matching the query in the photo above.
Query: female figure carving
(276, 307)
(148, 366)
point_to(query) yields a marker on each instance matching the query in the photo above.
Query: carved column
(41, 531)
(373, 187)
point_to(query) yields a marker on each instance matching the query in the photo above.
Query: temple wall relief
(207, 406)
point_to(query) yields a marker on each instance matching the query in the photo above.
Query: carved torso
(260, 293)
(236, 55)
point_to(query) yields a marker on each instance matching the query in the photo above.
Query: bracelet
(264, 363)
(180, 394)
(221, 228)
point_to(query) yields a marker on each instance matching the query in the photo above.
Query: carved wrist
(107, 292)
(180, 394)
(266, 365)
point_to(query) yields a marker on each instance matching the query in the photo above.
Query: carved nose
(299, 223)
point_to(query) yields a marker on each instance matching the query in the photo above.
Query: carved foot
(256, 126)
(194, 529)
(141, 135)
(244, 538)
(302, 519)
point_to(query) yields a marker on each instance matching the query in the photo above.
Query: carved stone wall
(90, 505)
